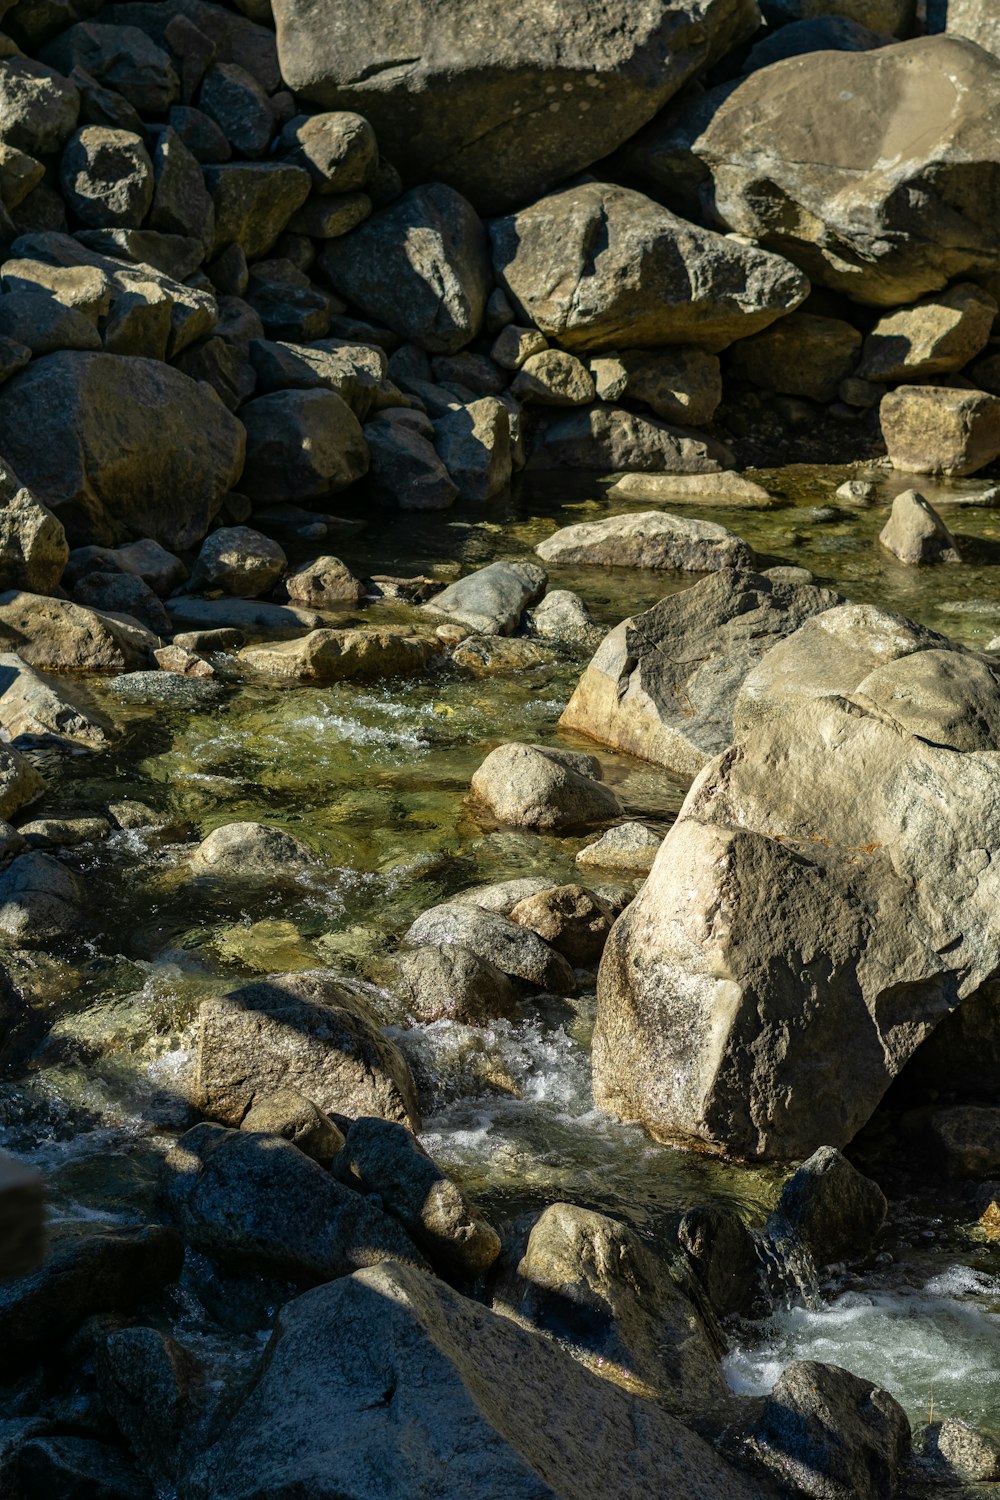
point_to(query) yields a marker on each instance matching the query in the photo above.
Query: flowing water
(373, 778)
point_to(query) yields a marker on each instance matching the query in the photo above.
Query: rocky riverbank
(497, 902)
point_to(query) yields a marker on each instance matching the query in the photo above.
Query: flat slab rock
(727, 489)
(339, 655)
(491, 600)
(647, 539)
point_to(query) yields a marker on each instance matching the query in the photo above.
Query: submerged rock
(251, 850)
(647, 539)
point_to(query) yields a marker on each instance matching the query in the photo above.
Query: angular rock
(802, 355)
(600, 266)
(338, 149)
(20, 783)
(571, 918)
(506, 107)
(121, 58)
(239, 106)
(325, 655)
(257, 1201)
(253, 203)
(301, 445)
(860, 203)
(515, 951)
(181, 202)
(238, 560)
(56, 633)
(324, 583)
(107, 177)
(607, 439)
(124, 594)
(473, 443)
(288, 304)
(42, 325)
(830, 1208)
(938, 336)
(514, 345)
(553, 378)
(250, 617)
(629, 847)
(302, 1031)
(120, 447)
(443, 981)
(64, 1465)
(42, 901)
(251, 849)
(421, 266)
(891, 17)
(354, 371)
(647, 539)
(35, 707)
(33, 547)
(492, 600)
(149, 1383)
(820, 33)
(678, 385)
(531, 786)
(385, 1159)
(915, 533)
(937, 430)
(723, 1255)
(38, 106)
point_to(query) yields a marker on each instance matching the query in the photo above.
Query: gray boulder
(663, 684)
(121, 448)
(492, 600)
(302, 1031)
(354, 371)
(107, 177)
(600, 266)
(609, 439)
(324, 583)
(420, 266)
(515, 951)
(253, 202)
(533, 786)
(631, 847)
(57, 633)
(473, 1426)
(573, 919)
(238, 560)
(473, 443)
(124, 594)
(444, 981)
(301, 445)
(830, 1209)
(502, 106)
(250, 851)
(36, 707)
(257, 1201)
(647, 539)
(915, 533)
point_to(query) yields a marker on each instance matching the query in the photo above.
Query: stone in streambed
(802, 355)
(830, 1208)
(647, 539)
(237, 560)
(727, 489)
(515, 951)
(20, 783)
(167, 688)
(302, 1031)
(124, 594)
(562, 616)
(916, 534)
(533, 786)
(324, 583)
(290, 1114)
(42, 901)
(573, 919)
(251, 849)
(939, 430)
(33, 706)
(406, 469)
(609, 440)
(57, 633)
(630, 847)
(473, 443)
(492, 600)
(343, 655)
(958, 1452)
(444, 981)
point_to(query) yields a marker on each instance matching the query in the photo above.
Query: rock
(553, 378)
(515, 345)
(63, 833)
(249, 617)
(33, 547)
(495, 655)
(965, 18)
(124, 594)
(41, 325)
(915, 533)
(56, 633)
(107, 177)
(239, 106)
(32, 706)
(256, 1200)
(572, 919)
(562, 616)
(722, 1254)
(830, 1208)
(302, 1031)
(120, 447)
(936, 337)
(503, 110)
(121, 58)
(501, 895)
(338, 149)
(23, 1230)
(405, 468)
(445, 982)
(421, 266)
(647, 539)
(41, 901)
(74, 1465)
(290, 1114)
(492, 600)
(802, 355)
(859, 205)
(181, 202)
(820, 33)
(655, 279)
(933, 429)
(38, 106)
(149, 1383)
(663, 684)
(727, 489)
(325, 656)
(515, 951)
(99, 1269)
(607, 439)
(967, 1137)
(958, 1452)
(237, 560)
(20, 783)
(301, 445)
(288, 304)
(631, 847)
(254, 202)
(324, 583)
(531, 786)
(200, 135)
(831, 1435)
(859, 492)
(473, 443)
(385, 1159)
(679, 385)
(891, 17)
(251, 850)
(601, 1290)
(354, 371)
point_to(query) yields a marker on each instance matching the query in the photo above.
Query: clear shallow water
(374, 778)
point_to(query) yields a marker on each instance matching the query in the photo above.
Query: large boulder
(301, 445)
(646, 539)
(121, 448)
(600, 266)
(428, 1393)
(883, 203)
(57, 633)
(663, 684)
(421, 266)
(930, 429)
(828, 887)
(534, 786)
(502, 105)
(303, 1031)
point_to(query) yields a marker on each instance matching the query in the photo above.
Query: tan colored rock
(533, 786)
(647, 539)
(937, 430)
(631, 847)
(572, 919)
(553, 378)
(290, 1114)
(726, 489)
(324, 583)
(801, 355)
(34, 706)
(680, 385)
(513, 345)
(250, 850)
(935, 337)
(915, 533)
(33, 546)
(56, 633)
(339, 655)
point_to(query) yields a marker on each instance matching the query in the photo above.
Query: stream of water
(374, 778)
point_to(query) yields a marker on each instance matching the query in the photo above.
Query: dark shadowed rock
(301, 445)
(830, 1208)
